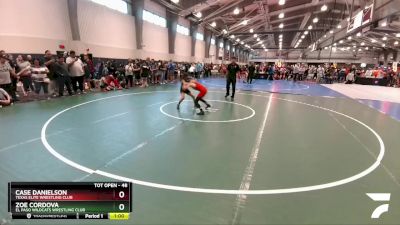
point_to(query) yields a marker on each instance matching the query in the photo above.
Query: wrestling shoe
(201, 113)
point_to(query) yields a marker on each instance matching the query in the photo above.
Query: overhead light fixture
(334, 44)
(242, 42)
(232, 36)
(358, 34)
(281, 35)
(373, 40)
(396, 43)
(198, 14)
(324, 8)
(255, 35)
(258, 39)
(349, 38)
(281, 25)
(281, 15)
(214, 24)
(315, 20)
(175, 1)
(366, 48)
(281, 2)
(244, 22)
(331, 31)
(398, 35)
(325, 36)
(384, 38)
(260, 42)
(348, 48)
(383, 45)
(354, 46)
(306, 32)
(339, 26)
(326, 48)
(362, 44)
(359, 49)
(303, 36)
(251, 30)
(310, 27)
(341, 41)
(265, 50)
(236, 11)
(224, 31)
(383, 24)
(238, 40)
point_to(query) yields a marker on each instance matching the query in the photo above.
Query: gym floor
(280, 153)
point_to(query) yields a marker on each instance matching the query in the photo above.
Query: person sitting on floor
(5, 98)
(109, 82)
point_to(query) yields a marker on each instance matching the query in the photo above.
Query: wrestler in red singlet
(202, 92)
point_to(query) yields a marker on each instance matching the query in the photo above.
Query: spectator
(136, 72)
(63, 77)
(296, 71)
(39, 76)
(129, 73)
(160, 72)
(6, 73)
(112, 67)
(320, 73)
(29, 59)
(76, 71)
(171, 71)
(49, 62)
(192, 69)
(198, 70)
(145, 71)
(153, 71)
(14, 79)
(350, 77)
(89, 72)
(271, 72)
(24, 67)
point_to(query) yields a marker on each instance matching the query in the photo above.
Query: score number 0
(121, 194)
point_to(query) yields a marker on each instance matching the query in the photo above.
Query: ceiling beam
(302, 26)
(280, 31)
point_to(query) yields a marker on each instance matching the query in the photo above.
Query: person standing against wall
(76, 71)
(233, 69)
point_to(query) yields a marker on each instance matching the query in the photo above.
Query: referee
(233, 68)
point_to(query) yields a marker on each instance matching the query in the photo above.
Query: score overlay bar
(70, 200)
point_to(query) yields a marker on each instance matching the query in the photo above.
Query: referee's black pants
(230, 81)
(250, 78)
